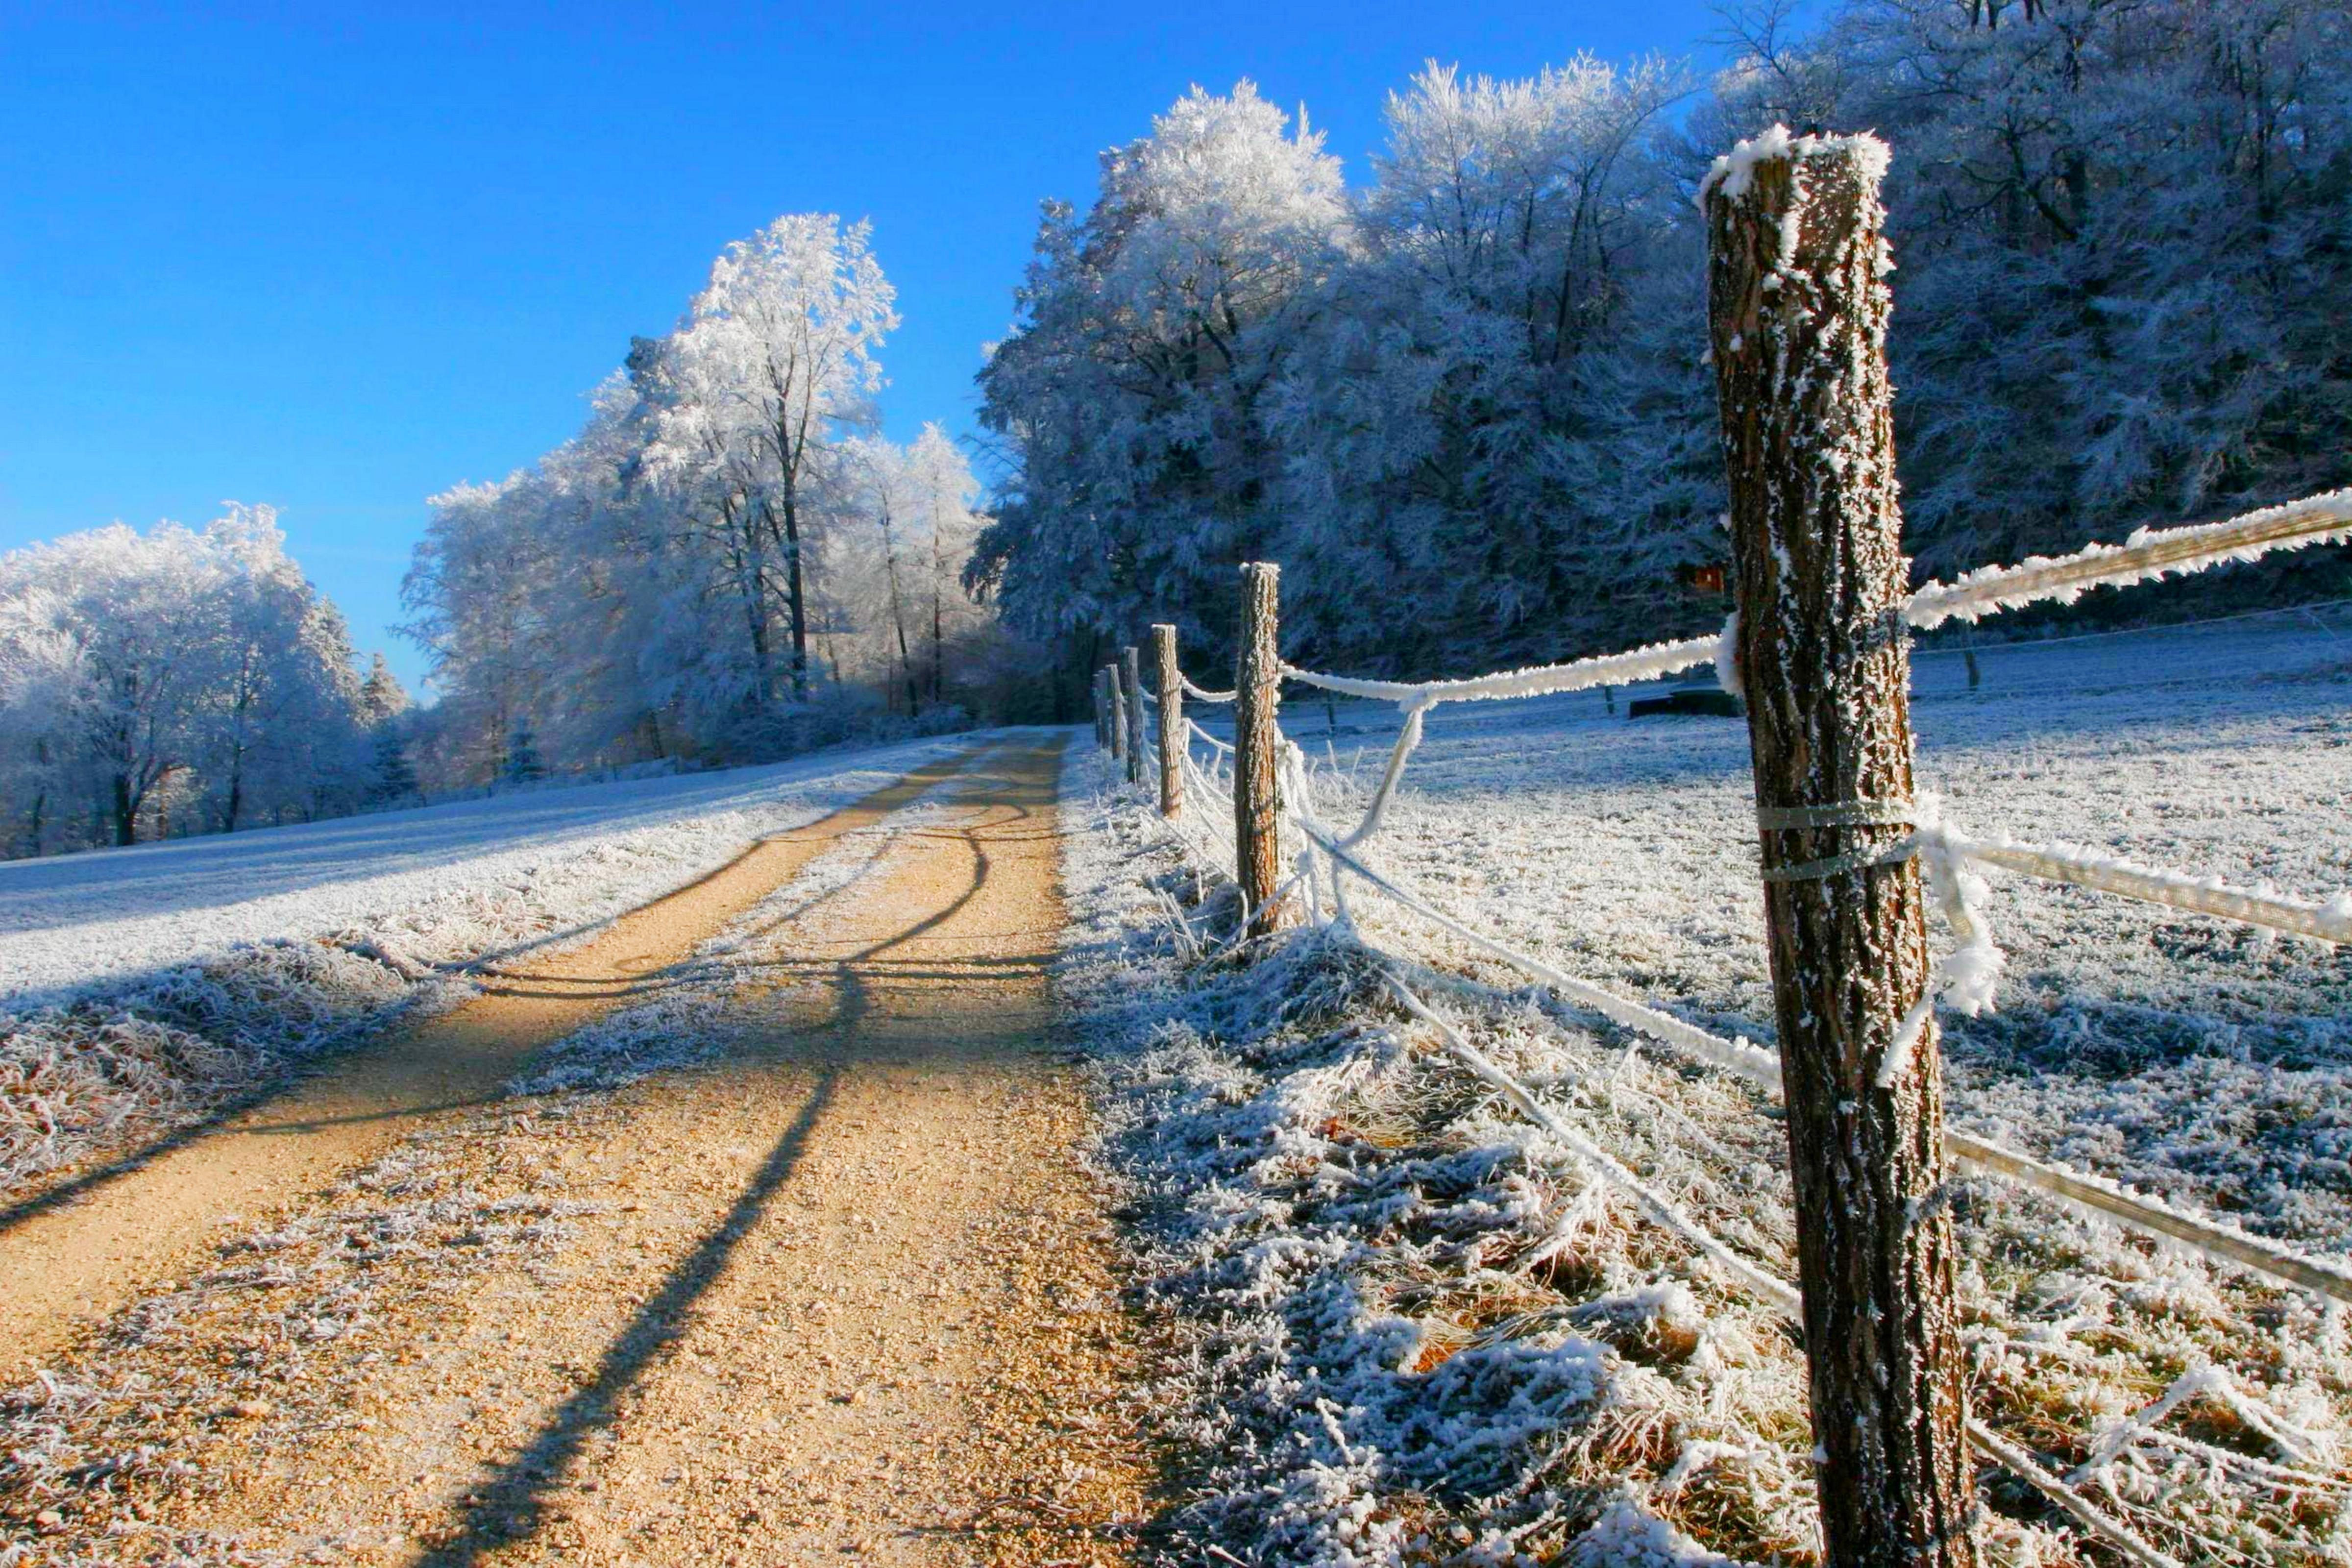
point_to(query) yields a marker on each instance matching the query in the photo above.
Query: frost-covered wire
(1599, 1161)
(1200, 734)
(2149, 554)
(1625, 668)
(2022, 1465)
(1771, 1287)
(1964, 979)
(1202, 695)
(2329, 921)
(1741, 1055)
(2218, 1241)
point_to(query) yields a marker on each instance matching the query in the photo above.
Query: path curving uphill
(839, 1290)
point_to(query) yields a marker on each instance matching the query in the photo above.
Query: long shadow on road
(513, 1502)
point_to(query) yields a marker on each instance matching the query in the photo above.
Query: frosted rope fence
(1201, 734)
(1539, 680)
(2022, 1465)
(2330, 921)
(2149, 554)
(2146, 555)
(1603, 1165)
(1964, 978)
(2218, 1241)
(1607, 1168)
(1742, 1056)
(1198, 694)
(1751, 1061)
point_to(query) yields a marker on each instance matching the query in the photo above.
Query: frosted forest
(1470, 378)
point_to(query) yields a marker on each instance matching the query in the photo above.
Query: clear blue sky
(336, 258)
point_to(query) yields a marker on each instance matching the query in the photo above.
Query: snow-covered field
(139, 986)
(73, 919)
(1420, 1325)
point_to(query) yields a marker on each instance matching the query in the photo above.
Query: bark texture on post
(1797, 308)
(1117, 714)
(1258, 687)
(1130, 665)
(1171, 720)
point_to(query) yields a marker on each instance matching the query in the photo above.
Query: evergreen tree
(395, 781)
(523, 765)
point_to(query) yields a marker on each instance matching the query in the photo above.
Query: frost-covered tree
(1429, 387)
(382, 696)
(523, 765)
(2124, 255)
(197, 668)
(773, 363)
(1476, 416)
(909, 525)
(719, 566)
(1132, 399)
(2124, 262)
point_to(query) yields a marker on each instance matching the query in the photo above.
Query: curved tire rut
(842, 1293)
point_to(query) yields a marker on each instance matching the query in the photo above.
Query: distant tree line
(1466, 405)
(728, 563)
(180, 682)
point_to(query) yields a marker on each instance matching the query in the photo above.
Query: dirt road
(841, 1292)
(72, 1262)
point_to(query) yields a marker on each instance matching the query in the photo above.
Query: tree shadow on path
(513, 1502)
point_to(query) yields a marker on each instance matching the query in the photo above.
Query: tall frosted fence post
(1117, 708)
(1171, 677)
(1257, 747)
(1130, 665)
(1797, 306)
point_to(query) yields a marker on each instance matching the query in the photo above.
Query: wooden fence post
(1171, 720)
(1797, 307)
(1257, 698)
(1131, 683)
(1102, 712)
(1095, 692)
(1116, 710)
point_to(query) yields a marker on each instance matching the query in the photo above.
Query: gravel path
(841, 1291)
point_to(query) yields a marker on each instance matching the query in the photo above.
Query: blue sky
(337, 258)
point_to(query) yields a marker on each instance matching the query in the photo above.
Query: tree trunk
(1257, 741)
(796, 594)
(939, 619)
(1798, 308)
(126, 811)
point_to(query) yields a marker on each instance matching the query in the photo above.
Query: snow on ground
(139, 987)
(698, 1010)
(72, 920)
(1419, 1326)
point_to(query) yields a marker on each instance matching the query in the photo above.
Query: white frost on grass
(1314, 1202)
(70, 920)
(115, 1026)
(692, 1011)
